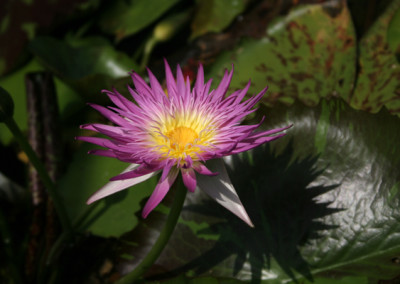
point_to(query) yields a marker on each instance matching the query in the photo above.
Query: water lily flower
(178, 131)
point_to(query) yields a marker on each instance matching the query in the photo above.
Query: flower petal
(115, 186)
(137, 172)
(220, 188)
(160, 191)
(189, 179)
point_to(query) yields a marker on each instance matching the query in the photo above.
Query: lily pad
(298, 58)
(378, 82)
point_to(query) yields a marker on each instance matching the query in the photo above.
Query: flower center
(180, 137)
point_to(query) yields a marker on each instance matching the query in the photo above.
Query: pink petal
(220, 188)
(200, 79)
(170, 80)
(189, 179)
(137, 172)
(115, 186)
(160, 191)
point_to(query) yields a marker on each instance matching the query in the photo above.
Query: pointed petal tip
(159, 192)
(144, 215)
(222, 191)
(92, 199)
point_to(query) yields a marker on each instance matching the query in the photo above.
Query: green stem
(162, 240)
(40, 168)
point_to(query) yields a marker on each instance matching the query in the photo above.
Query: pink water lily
(177, 131)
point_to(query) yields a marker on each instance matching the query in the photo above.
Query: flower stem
(40, 168)
(162, 240)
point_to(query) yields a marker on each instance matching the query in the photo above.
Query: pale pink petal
(220, 188)
(137, 172)
(189, 179)
(115, 186)
(160, 191)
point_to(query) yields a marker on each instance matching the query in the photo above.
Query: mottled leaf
(309, 54)
(378, 82)
(215, 15)
(127, 17)
(393, 34)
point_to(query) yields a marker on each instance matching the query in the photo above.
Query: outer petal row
(220, 188)
(115, 186)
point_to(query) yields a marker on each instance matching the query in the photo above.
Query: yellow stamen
(180, 137)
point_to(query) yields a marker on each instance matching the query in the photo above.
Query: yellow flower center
(181, 137)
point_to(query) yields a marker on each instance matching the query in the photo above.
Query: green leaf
(125, 18)
(378, 82)
(89, 64)
(215, 15)
(297, 58)
(393, 33)
(111, 216)
(77, 58)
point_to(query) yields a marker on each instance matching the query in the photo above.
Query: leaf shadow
(280, 198)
